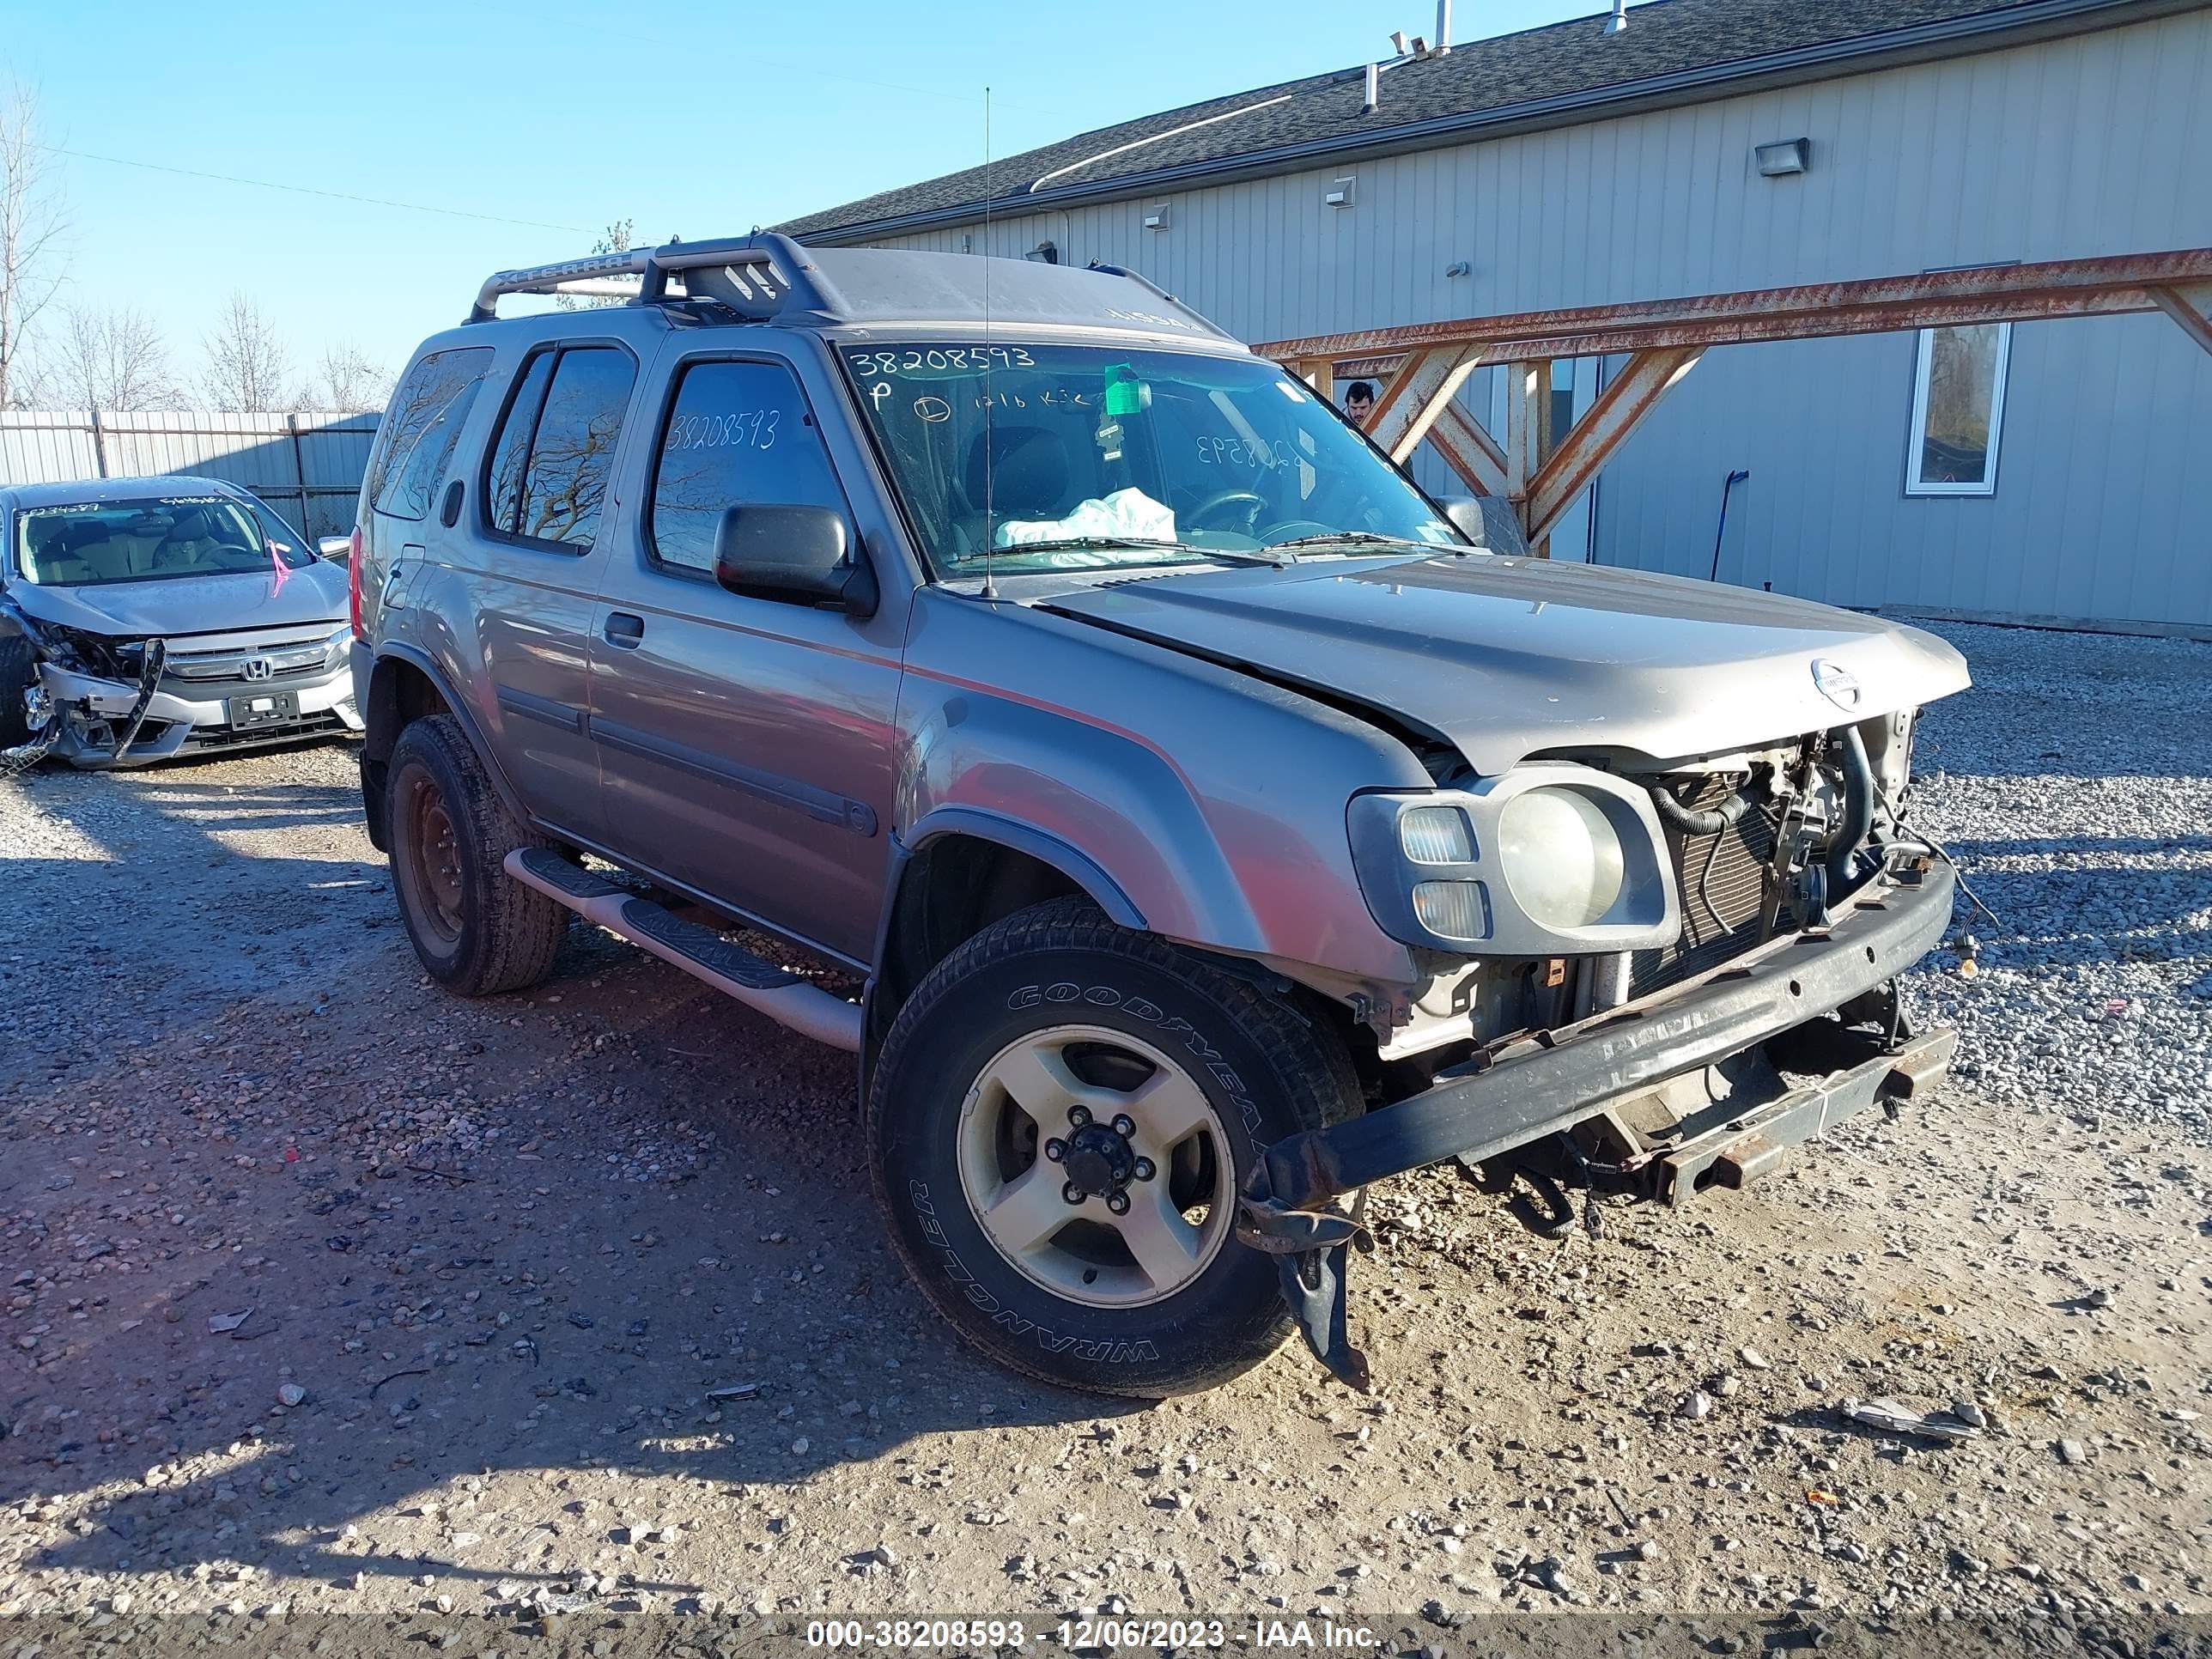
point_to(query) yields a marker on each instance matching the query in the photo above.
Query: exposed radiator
(1722, 879)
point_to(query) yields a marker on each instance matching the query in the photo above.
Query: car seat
(1026, 474)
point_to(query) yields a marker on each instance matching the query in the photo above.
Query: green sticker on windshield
(1125, 392)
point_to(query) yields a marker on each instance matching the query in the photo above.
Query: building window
(1958, 407)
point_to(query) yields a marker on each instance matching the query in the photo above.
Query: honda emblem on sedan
(1836, 682)
(258, 668)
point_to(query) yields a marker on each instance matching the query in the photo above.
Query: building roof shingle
(1574, 64)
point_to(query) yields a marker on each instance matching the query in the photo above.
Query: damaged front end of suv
(1685, 972)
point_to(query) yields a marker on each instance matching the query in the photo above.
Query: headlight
(1452, 909)
(1436, 834)
(1550, 858)
(1562, 857)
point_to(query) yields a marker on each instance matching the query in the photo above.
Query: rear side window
(421, 428)
(546, 479)
(737, 434)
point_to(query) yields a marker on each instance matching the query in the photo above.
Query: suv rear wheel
(1061, 1120)
(476, 930)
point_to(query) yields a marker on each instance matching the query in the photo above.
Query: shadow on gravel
(2085, 912)
(214, 807)
(2061, 846)
(498, 1250)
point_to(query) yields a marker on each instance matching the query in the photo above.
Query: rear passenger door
(744, 742)
(533, 553)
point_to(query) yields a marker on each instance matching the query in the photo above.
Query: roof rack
(764, 277)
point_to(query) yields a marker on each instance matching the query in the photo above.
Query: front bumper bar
(1552, 1082)
(1547, 1085)
(184, 718)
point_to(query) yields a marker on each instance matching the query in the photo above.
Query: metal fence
(308, 467)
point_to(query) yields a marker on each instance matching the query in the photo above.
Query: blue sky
(569, 115)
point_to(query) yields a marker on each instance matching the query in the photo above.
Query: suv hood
(1508, 658)
(192, 605)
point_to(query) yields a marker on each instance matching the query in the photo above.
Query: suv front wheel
(476, 930)
(1061, 1120)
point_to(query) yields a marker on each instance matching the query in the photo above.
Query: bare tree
(347, 382)
(246, 364)
(31, 223)
(104, 359)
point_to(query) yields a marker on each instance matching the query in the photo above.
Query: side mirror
(1489, 523)
(798, 553)
(339, 547)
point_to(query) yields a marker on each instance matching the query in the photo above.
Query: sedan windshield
(150, 540)
(1042, 457)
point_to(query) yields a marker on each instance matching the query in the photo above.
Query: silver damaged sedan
(142, 618)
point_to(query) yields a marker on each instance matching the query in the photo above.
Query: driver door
(745, 743)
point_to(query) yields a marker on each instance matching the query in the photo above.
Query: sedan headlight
(1562, 857)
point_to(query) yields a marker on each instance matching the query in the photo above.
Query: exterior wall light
(1779, 161)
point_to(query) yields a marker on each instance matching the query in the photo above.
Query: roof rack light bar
(761, 277)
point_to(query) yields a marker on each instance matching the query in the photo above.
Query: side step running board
(700, 951)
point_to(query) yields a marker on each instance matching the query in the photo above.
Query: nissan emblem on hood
(1836, 683)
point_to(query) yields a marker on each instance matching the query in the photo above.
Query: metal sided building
(2049, 471)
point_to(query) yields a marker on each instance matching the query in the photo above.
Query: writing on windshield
(1045, 456)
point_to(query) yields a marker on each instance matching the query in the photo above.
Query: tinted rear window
(555, 445)
(421, 426)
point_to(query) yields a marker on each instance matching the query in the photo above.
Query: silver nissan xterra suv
(1217, 825)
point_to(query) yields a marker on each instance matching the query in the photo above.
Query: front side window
(1958, 407)
(420, 430)
(155, 539)
(1047, 456)
(555, 448)
(738, 434)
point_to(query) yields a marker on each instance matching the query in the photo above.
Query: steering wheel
(1253, 503)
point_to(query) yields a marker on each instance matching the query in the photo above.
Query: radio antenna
(990, 583)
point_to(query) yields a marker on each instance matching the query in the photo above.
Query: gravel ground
(493, 1259)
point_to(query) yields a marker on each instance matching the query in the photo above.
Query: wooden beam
(2188, 307)
(1631, 395)
(1469, 451)
(1318, 373)
(1416, 395)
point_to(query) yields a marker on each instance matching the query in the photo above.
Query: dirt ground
(327, 1294)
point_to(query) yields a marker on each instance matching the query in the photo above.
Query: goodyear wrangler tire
(476, 929)
(1061, 1116)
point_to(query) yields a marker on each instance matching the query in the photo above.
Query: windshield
(1097, 456)
(150, 540)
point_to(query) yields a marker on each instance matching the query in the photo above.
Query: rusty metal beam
(1469, 451)
(2027, 293)
(1416, 395)
(2189, 307)
(1626, 399)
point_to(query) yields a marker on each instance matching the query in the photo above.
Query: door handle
(624, 629)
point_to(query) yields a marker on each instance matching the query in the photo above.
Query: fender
(384, 727)
(1040, 844)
